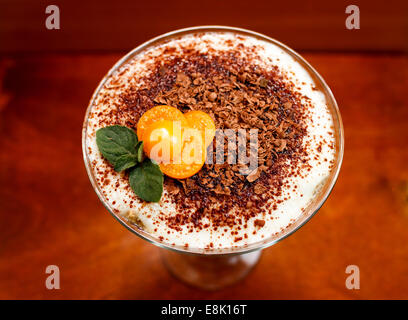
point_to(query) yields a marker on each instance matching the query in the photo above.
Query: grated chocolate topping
(238, 94)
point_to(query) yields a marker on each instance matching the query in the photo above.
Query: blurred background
(50, 215)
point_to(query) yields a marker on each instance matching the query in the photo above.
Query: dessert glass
(220, 267)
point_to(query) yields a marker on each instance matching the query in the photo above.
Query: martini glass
(221, 267)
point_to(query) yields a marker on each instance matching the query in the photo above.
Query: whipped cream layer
(297, 191)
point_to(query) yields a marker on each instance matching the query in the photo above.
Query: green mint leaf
(117, 144)
(139, 151)
(124, 162)
(146, 180)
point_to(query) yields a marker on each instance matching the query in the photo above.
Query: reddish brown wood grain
(121, 25)
(49, 213)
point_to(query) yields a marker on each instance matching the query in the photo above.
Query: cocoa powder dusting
(238, 94)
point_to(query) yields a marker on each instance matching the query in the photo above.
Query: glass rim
(315, 204)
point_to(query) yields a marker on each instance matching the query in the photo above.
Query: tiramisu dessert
(265, 140)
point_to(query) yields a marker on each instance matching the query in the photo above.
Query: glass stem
(209, 272)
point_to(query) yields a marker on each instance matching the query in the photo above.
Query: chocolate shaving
(237, 94)
(259, 223)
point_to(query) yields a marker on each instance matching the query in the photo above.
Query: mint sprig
(139, 151)
(146, 180)
(120, 146)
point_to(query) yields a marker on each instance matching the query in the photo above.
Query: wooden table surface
(50, 215)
